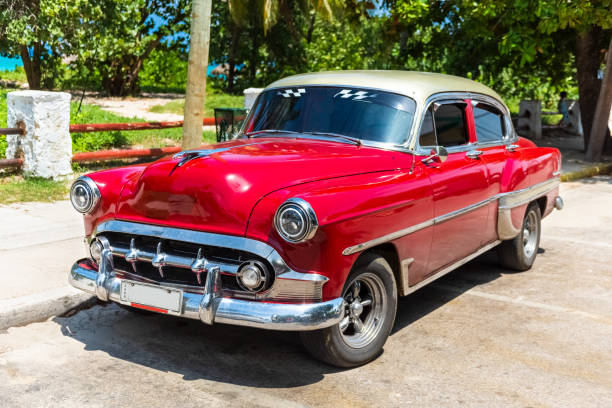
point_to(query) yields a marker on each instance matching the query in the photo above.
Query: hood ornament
(196, 154)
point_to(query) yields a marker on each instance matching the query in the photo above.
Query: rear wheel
(520, 253)
(370, 297)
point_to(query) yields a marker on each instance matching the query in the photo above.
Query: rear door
(493, 134)
(460, 184)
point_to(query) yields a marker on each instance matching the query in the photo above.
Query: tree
(196, 74)
(114, 37)
(36, 31)
(538, 36)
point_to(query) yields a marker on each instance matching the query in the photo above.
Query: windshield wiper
(275, 131)
(349, 138)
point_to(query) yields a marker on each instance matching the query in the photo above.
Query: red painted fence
(111, 154)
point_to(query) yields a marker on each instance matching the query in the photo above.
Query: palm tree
(268, 11)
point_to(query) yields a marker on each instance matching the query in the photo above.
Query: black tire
(520, 253)
(350, 347)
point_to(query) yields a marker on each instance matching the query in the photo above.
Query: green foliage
(164, 71)
(339, 45)
(115, 38)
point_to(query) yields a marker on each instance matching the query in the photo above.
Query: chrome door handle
(512, 147)
(473, 154)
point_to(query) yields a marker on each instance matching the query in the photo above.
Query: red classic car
(343, 191)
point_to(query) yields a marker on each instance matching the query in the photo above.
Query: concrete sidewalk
(38, 244)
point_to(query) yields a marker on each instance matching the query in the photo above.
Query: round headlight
(295, 220)
(84, 195)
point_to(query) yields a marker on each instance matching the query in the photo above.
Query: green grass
(17, 75)
(16, 189)
(213, 100)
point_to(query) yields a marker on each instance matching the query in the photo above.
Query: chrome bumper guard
(211, 307)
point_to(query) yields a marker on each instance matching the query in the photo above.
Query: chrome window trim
(451, 97)
(507, 200)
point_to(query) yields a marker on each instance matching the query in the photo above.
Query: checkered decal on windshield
(347, 93)
(288, 93)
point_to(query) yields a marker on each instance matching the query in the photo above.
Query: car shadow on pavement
(240, 355)
(477, 272)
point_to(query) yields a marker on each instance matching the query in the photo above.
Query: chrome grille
(175, 262)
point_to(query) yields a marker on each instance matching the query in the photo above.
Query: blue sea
(9, 64)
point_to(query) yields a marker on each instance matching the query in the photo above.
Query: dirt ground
(135, 107)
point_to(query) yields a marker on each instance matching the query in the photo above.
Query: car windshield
(351, 113)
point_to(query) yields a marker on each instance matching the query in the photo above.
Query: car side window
(427, 136)
(450, 123)
(489, 123)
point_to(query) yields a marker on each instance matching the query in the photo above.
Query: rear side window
(489, 123)
(450, 124)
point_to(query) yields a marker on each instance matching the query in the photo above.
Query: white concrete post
(46, 145)
(530, 119)
(250, 94)
(575, 125)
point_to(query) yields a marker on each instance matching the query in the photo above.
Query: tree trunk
(254, 55)
(311, 28)
(232, 58)
(587, 64)
(31, 66)
(599, 130)
(196, 74)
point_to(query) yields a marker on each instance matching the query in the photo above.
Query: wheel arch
(388, 251)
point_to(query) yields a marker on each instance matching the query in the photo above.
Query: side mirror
(438, 153)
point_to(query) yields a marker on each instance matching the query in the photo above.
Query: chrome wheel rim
(365, 309)
(530, 234)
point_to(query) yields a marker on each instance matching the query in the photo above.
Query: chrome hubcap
(530, 234)
(366, 305)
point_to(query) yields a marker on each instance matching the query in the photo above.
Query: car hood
(215, 189)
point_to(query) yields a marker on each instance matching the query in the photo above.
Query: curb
(595, 170)
(41, 306)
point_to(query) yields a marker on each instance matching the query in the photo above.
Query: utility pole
(602, 114)
(196, 74)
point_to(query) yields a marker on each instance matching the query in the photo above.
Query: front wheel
(520, 253)
(370, 296)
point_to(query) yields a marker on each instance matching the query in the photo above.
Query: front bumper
(211, 307)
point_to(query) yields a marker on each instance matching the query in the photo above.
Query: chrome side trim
(452, 267)
(389, 237)
(508, 200)
(211, 308)
(505, 227)
(519, 197)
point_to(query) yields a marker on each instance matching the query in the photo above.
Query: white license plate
(151, 297)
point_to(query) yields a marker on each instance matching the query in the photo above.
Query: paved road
(38, 244)
(481, 336)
